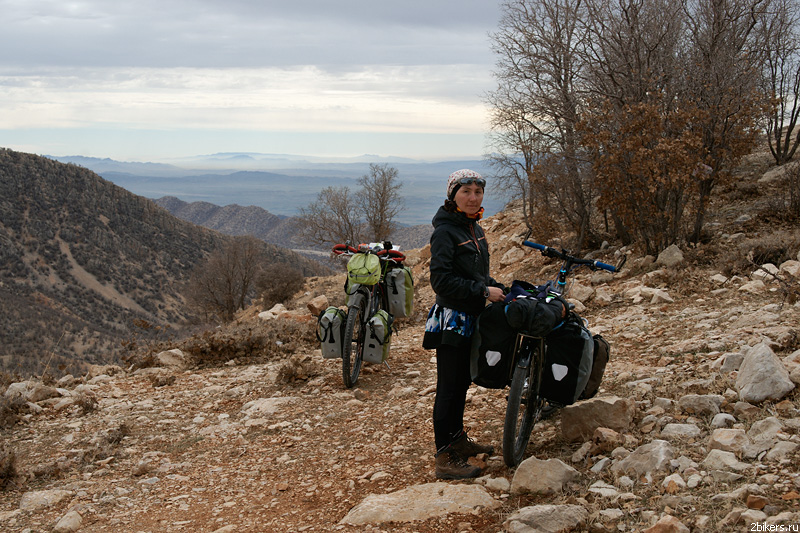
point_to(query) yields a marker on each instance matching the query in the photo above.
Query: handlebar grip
(393, 255)
(532, 244)
(605, 266)
(340, 249)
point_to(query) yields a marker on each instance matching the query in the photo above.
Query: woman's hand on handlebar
(496, 294)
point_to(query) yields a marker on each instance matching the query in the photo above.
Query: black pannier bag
(569, 352)
(492, 348)
(534, 317)
(602, 353)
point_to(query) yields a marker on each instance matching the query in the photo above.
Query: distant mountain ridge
(282, 184)
(82, 259)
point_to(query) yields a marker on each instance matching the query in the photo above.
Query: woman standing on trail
(460, 278)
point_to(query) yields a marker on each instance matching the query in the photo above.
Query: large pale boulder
(729, 440)
(512, 256)
(542, 476)
(762, 376)
(265, 406)
(723, 460)
(668, 524)
(174, 358)
(317, 305)
(42, 499)
(546, 518)
(31, 391)
(647, 459)
(581, 292)
(701, 404)
(69, 523)
(579, 421)
(420, 502)
(754, 287)
(670, 257)
(791, 267)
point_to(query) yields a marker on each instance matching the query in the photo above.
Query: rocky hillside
(82, 259)
(235, 220)
(696, 426)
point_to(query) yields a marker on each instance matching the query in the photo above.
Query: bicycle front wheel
(524, 407)
(354, 335)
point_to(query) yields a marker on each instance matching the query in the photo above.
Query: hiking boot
(466, 447)
(450, 465)
(547, 411)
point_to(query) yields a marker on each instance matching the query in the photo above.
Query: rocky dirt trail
(677, 440)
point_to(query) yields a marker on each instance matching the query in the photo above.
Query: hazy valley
(282, 184)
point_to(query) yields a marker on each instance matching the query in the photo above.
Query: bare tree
(379, 200)
(332, 218)
(535, 109)
(781, 77)
(520, 170)
(722, 60)
(224, 284)
(339, 216)
(637, 128)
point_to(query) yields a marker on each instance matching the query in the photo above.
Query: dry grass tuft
(10, 409)
(8, 467)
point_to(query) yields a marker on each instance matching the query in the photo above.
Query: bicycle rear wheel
(354, 335)
(524, 407)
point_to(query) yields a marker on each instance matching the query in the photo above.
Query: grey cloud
(246, 33)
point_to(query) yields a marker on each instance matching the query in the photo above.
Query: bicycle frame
(375, 296)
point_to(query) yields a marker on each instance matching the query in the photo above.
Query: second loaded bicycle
(367, 328)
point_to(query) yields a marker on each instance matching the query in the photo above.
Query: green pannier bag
(400, 292)
(378, 337)
(330, 330)
(364, 269)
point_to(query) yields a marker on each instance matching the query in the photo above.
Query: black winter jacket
(459, 262)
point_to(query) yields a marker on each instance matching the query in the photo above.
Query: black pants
(452, 381)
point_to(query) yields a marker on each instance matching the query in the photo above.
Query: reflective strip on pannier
(569, 351)
(492, 348)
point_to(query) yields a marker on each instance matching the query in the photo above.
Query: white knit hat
(462, 177)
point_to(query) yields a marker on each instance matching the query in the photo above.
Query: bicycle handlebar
(394, 256)
(547, 251)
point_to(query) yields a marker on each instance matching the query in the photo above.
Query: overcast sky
(149, 80)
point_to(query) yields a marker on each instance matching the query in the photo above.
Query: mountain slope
(252, 220)
(234, 219)
(82, 259)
